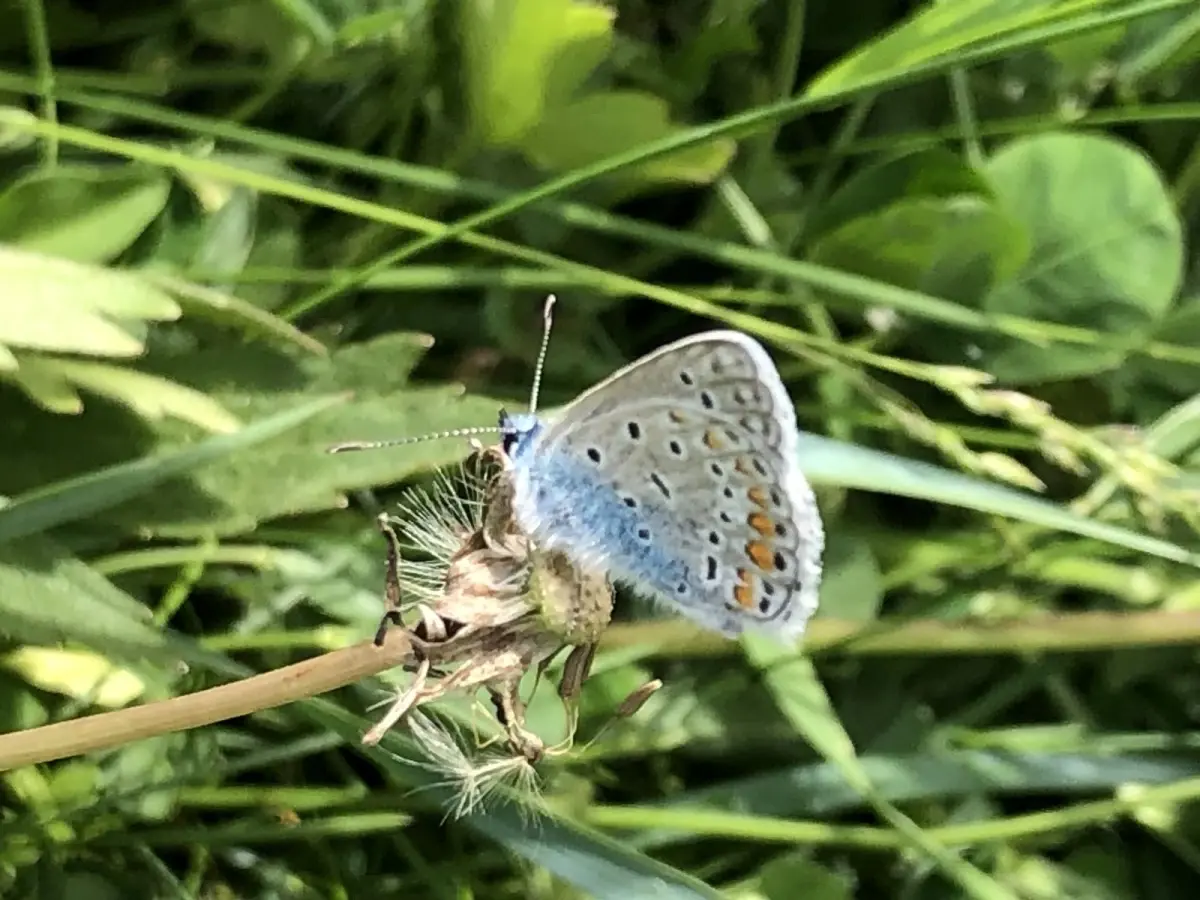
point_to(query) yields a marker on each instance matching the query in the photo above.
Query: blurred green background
(961, 228)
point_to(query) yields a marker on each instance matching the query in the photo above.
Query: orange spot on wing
(757, 496)
(761, 523)
(712, 440)
(743, 593)
(741, 465)
(675, 416)
(760, 553)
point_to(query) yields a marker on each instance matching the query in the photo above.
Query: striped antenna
(397, 442)
(547, 321)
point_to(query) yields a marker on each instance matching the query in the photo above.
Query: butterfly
(678, 477)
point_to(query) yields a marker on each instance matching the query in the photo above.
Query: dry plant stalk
(495, 609)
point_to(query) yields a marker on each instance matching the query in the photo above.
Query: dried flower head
(486, 608)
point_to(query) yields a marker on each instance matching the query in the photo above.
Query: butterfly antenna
(398, 442)
(547, 321)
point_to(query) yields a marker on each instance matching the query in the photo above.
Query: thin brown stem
(270, 689)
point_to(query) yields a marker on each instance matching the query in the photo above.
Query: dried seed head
(437, 521)
(474, 783)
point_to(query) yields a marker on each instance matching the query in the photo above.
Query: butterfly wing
(695, 445)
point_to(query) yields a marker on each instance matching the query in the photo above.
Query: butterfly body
(565, 505)
(678, 477)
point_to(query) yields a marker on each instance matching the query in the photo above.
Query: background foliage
(219, 216)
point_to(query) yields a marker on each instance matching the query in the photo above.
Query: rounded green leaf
(1106, 248)
(956, 247)
(613, 122)
(938, 172)
(525, 55)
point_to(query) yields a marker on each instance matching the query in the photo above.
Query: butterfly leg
(540, 671)
(391, 578)
(575, 672)
(432, 628)
(510, 712)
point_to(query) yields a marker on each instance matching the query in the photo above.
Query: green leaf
(87, 214)
(524, 56)
(149, 396)
(296, 474)
(86, 495)
(921, 174)
(852, 587)
(47, 596)
(63, 306)
(274, 30)
(1106, 249)
(826, 461)
(604, 124)
(957, 248)
(228, 234)
(232, 312)
(46, 386)
(780, 878)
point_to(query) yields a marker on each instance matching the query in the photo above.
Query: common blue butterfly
(678, 476)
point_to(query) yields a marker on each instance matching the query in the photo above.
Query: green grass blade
(802, 699)
(826, 461)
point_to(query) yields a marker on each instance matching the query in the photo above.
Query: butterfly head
(518, 431)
